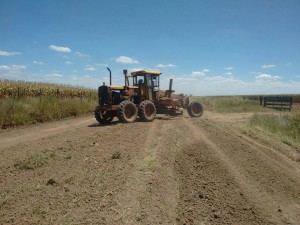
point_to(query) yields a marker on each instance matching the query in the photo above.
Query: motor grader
(143, 99)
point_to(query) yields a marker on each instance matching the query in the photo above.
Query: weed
(116, 155)
(149, 163)
(287, 142)
(3, 198)
(39, 211)
(60, 155)
(32, 162)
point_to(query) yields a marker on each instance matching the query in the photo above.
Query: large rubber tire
(195, 109)
(127, 111)
(104, 117)
(147, 111)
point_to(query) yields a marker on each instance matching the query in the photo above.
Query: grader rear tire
(147, 111)
(103, 117)
(195, 109)
(127, 112)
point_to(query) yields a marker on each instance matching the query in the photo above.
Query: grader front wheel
(147, 111)
(195, 109)
(127, 112)
(103, 117)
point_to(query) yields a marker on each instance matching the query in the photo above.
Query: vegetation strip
(24, 103)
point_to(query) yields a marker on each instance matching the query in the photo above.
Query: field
(237, 164)
(23, 103)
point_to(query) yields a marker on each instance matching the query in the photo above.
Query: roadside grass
(286, 127)
(231, 104)
(31, 110)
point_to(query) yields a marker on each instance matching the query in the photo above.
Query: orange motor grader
(143, 99)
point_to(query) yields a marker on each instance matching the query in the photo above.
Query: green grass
(3, 198)
(30, 110)
(32, 162)
(116, 155)
(41, 159)
(284, 126)
(149, 163)
(232, 104)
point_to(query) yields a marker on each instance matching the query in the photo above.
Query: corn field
(20, 89)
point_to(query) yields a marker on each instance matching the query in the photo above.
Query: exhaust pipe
(170, 88)
(109, 75)
(126, 79)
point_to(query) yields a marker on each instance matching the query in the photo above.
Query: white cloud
(69, 63)
(126, 60)
(89, 68)
(165, 65)
(228, 68)
(228, 74)
(266, 77)
(81, 55)
(216, 79)
(4, 53)
(12, 71)
(55, 75)
(101, 64)
(205, 70)
(136, 69)
(201, 73)
(13, 67)
(3, 67)
(60, 48)
(198, 74)
(38, 62)
(230, 85)
(267, 66)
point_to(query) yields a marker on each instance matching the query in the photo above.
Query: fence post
(40, 94)
(260, 100)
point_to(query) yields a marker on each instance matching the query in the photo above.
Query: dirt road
(171, 171)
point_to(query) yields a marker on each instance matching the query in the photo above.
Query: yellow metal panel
(116, 87)
(142, 72)
(135, 87)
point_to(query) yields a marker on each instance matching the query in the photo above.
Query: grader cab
(143, 99)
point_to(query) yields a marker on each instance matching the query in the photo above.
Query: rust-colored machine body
(142, 99)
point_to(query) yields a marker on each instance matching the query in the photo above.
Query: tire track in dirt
(259, 205)
(161, 194)
(273, 156)
(150, 194)
(21, 135)
(274, 176)
(175, 171)
(128, 199)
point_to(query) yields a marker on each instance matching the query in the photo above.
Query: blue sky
(216, 47)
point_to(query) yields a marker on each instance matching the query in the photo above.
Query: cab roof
(143, 72)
